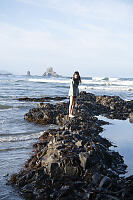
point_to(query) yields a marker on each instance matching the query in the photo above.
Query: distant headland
(2, 72)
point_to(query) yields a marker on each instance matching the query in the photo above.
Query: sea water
(17, 135)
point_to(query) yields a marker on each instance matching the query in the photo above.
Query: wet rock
(43, 99)
(105, 182)
(96, 178)
(13, 179)
(74, 161)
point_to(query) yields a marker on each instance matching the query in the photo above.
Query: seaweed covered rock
(65, 164)
(74, 161)
(116, 108)
(87, 105)
(42, 99)
(47, 113)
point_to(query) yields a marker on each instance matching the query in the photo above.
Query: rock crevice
(74, 161)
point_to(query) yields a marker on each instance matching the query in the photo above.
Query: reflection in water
(120, 133)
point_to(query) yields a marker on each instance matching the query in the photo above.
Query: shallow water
(120, 133)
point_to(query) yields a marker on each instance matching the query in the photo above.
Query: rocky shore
(43, 99)
(74, 161)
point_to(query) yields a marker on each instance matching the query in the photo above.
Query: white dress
(74, 90)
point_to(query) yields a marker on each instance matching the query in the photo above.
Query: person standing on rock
(73, 91)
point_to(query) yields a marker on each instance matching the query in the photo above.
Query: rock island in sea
(73, 161)
(50, 73)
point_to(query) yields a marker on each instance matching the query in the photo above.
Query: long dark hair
(78, 79)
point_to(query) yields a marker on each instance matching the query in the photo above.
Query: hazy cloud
(89, 34)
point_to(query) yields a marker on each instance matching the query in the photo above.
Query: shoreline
(71, 161)
(119, 132)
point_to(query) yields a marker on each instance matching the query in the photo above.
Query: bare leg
(71, 105)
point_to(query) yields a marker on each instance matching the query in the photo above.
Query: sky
(94, 37)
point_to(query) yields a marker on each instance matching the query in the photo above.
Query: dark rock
(50, 73)
(74, 161)
(13, 179)
(96, 178)
(28, 73)
(105, 182)
(43, 99)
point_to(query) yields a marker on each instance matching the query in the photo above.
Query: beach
(18, 135)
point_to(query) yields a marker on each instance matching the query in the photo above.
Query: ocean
(17, 135)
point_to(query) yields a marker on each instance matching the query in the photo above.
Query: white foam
(2, 107)
(18, 137)
(106, 88)
(114, 79)
(49, 80)
(104, 79)
(97, 78)
(97, 83)
(92, 82)
(84, 81)
(126, 83)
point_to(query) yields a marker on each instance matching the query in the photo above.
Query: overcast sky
(92, 36)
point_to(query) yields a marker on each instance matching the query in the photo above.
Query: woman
(73, 91)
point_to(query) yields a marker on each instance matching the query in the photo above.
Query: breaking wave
(104, 79)
(94, 80)
(16, 138)
(107, 88)
(49, 80)
(2, 107)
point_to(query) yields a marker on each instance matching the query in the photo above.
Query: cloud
(87, 33)
(30, 2)
(107, 10)
(26, 45)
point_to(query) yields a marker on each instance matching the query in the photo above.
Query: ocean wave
(24, 137)
(104, 79)
(124, 83)
(94, 81)
(106, 88)
(14, 148)
(84, 81)
(49, 80)
(2, 107)
(97, 80)
(112, 81)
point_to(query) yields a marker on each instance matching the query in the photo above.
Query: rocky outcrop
(74, 161)
(28, 73)
(87, 105)
(50, 72)
(115, 107)
(43, 99)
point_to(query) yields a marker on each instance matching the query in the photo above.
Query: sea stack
(28, 73)
(50, 72)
